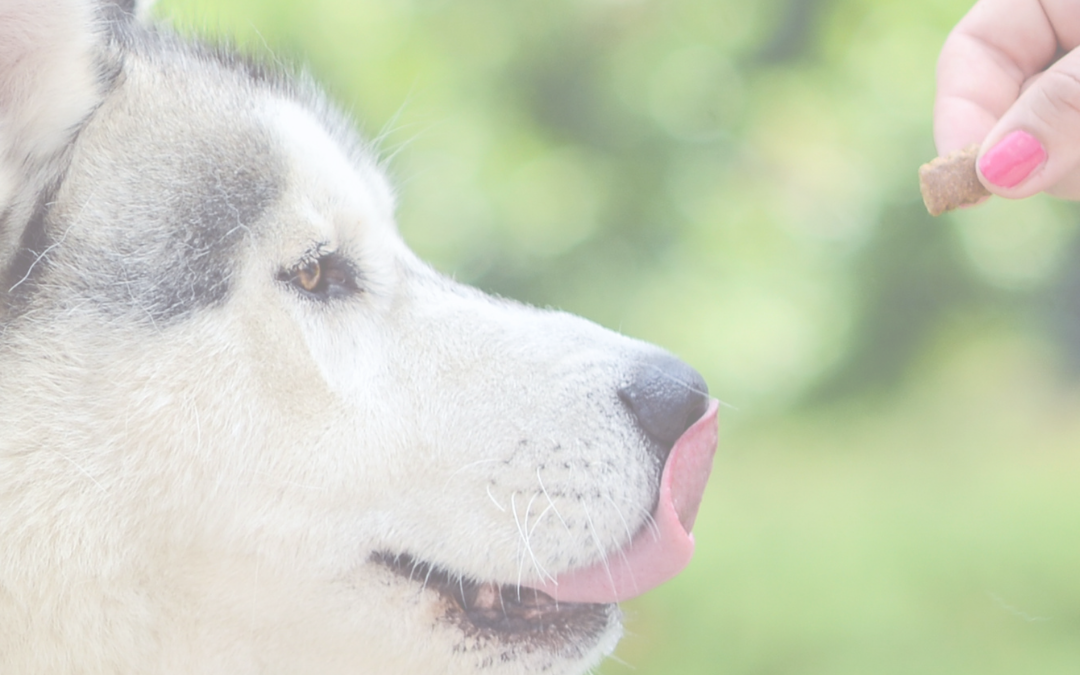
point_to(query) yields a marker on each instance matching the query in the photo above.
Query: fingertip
(1011, 160)
(1034, 148)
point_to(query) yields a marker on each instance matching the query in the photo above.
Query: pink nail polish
(1012, 160)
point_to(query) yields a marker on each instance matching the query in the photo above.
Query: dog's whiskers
(686, 385)
(466, 467)
(668, 376)
(650, 522)
(487, 488)
(550, 500)
(539, 518)
(523, 533)
(618, 512)
(528, 535)
(629, 537)
(598, 543)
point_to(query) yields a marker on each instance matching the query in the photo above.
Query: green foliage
(735, 180)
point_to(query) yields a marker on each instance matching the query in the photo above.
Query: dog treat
(950, 182)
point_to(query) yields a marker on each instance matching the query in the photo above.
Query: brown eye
(324, 277)
(309, 275)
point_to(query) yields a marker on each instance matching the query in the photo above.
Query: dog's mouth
(507, 612)
(579, 605)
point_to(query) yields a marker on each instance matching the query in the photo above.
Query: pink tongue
(657, 554)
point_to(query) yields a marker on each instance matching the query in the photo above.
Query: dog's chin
(508, 613)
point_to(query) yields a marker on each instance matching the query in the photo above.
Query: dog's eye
(309, 276)
(325, 277)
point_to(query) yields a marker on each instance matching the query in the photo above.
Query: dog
(243, 429)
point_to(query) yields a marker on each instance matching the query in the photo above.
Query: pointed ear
(50, 74)
(55, 66)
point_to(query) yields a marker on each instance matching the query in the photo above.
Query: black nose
(666, 397)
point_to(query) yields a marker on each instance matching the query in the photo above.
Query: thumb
(1035, 146)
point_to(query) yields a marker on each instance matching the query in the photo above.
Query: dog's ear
(50, 76)
(55, 67)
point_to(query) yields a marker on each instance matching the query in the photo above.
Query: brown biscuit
(950, 182)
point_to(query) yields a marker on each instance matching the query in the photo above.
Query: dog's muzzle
(670, 402)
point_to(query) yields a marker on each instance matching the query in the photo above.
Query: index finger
(986, 60)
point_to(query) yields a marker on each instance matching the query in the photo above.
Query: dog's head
(252, 432)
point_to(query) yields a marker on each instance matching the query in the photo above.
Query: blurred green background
(897, 485)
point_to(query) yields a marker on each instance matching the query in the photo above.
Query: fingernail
(1012, 160)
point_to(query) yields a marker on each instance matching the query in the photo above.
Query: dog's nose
(666, 396)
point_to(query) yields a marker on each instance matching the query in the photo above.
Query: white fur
(205, 496)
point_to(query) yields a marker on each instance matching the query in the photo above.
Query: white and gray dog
(244, 430)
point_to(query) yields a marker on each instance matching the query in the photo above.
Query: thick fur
(204, 465)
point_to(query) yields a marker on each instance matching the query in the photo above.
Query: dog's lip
(507, 612)
(656, 554)
(585, 597)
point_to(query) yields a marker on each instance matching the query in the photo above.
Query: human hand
(1000, 86)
